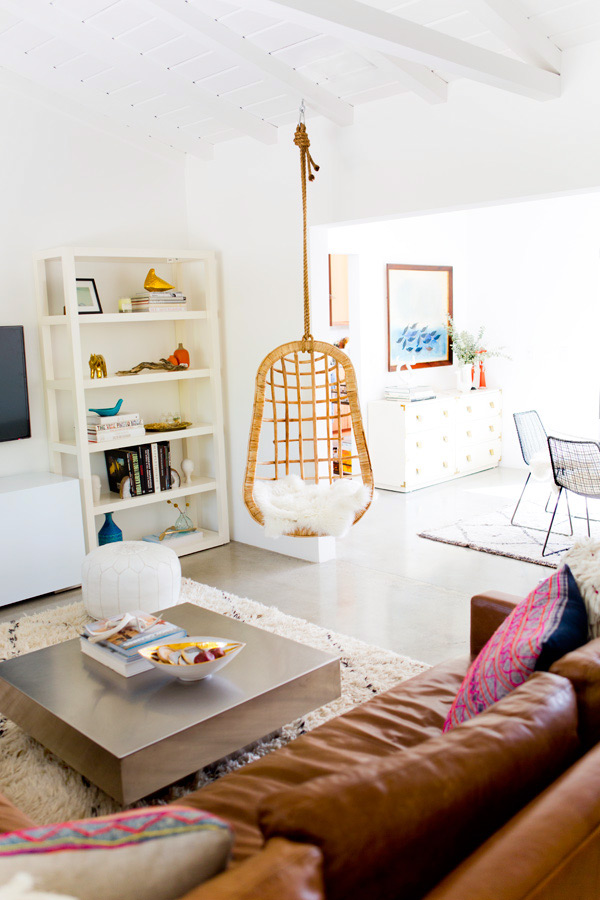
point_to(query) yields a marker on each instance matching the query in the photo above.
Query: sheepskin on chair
(290, 504)
(583, 559)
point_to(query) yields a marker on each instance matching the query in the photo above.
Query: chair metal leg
(552, 522)
(547, 502)
(569, 511)
(587, 515)
(512, 521)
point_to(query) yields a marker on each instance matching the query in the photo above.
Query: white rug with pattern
(50, 791)
(493, 533)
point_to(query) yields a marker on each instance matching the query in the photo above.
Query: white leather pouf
(128, 575)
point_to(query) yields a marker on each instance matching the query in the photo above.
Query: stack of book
(147, 466)
(120, 651)
(409, 393)
(158, 301)
(114, 428)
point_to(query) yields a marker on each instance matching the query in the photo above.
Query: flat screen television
(14, 402)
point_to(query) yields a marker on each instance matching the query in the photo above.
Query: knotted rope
(307, 163)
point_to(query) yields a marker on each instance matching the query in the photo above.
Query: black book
(147, 454)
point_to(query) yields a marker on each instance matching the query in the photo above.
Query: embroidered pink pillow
(161, 852)
(550, 622)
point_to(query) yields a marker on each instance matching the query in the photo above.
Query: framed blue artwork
(419, 304)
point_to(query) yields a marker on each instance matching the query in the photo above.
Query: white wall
(400, 156)
(67, 183)
(529, 272)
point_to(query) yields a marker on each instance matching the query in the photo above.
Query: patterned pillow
(550, 622)
(161, 852)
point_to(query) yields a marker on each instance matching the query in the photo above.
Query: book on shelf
(113, 660)
(116, 434)
(159, 307)
(105, 422)
(158, 295)
(148, 467)
(174, 538)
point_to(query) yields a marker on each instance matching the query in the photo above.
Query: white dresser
(413, 445)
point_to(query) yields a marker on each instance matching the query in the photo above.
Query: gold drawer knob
(445, 438)
(491, 452)
(418, 418)
(492, 404)
(417, 471)
(445, 465)
(445, 412)
(469, 434)
(468, 458)
(469, 409)
(419, 445)
(491, 427)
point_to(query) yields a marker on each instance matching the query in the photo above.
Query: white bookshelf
(126, 339)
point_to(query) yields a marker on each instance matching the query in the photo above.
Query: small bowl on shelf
(194, 659)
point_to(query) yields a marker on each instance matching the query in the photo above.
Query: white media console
(41, 535)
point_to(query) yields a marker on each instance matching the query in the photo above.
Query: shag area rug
(48, 790)
(493, 533)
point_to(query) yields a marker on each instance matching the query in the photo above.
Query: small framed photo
(88, 300)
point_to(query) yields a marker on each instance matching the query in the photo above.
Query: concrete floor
(387, 586)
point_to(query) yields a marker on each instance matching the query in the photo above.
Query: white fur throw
(583, 559)
(327, 509)
(20, 887)
(540, 467)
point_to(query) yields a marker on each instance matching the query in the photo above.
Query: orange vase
(482, 383)
(182, 356)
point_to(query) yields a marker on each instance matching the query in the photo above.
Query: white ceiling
(184, 75)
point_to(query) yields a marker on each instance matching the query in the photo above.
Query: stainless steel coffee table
(132, 736)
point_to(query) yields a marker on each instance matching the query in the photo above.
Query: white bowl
(193, 671)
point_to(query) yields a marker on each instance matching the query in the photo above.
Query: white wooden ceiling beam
(87, 37)
(413, 76)
(354, 22)
(100, 103)
(508, 21)
(103, 124)
(221, 37)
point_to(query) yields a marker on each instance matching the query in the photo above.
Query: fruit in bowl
(195, 658)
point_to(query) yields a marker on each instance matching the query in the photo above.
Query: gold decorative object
(167, 426)
(164, 365)
(97, 366)
(154, 283)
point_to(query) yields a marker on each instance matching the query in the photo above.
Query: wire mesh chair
(576, 468)
(533, 440)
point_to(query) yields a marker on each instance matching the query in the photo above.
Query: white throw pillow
(159, 852)
(583, 559)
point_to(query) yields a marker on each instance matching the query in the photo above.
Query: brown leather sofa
(378, 803)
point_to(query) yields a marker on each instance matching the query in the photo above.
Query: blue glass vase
(110, 531)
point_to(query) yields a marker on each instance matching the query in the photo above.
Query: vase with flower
(470, 356)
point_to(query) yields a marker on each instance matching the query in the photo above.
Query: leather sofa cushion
(394, 827)
(582, 668)
(549, 851)
(282, 870)
(404, 716)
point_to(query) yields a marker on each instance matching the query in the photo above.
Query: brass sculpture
(97, 366)
(163, 365)
(154, 283)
